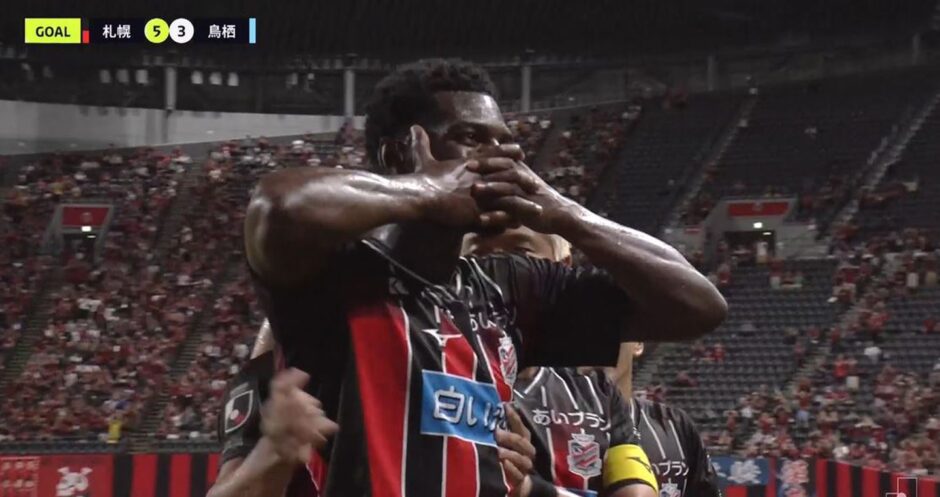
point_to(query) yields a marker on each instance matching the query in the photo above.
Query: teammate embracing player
(412, 349)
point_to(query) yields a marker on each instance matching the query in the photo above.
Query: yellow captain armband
(628, 463)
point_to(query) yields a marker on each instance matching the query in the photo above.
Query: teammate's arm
(292, 427)
(668, 296)
(261, 474)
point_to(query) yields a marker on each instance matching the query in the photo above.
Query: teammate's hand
(293, 420)
(516, 453)
(509, 186)
(450, 201)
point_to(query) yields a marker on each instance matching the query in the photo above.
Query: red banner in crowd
(76, 216)
(753, 208)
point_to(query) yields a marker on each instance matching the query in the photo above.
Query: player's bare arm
(669, 295)
(297, 216)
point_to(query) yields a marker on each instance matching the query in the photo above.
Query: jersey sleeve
(565, 316)
(239, 423)
(290, 310)
(622, 428)
(702, 479)
(626, 462)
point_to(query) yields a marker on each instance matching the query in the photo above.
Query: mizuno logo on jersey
(458, 407)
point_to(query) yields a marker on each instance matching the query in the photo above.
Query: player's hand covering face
(470, 129)
(509, 188)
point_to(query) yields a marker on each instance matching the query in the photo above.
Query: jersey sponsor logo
(546, 417)
(671, 468)
(458, 407)
(507, 359)
(584, 455)
(238, 410)
(72, 483)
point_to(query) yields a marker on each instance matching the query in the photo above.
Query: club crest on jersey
(584, 455)
(507, 359)
(670, 489)
(238, 410)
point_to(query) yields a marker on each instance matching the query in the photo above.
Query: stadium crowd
(860, 404)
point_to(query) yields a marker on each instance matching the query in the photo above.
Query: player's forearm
(298, 215)
(674, 299)
(338, 205)
(262, 474)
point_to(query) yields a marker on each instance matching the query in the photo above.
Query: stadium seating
(667, 146)
(756, 354)
(813, 141)
(909, 194)
(589, 142)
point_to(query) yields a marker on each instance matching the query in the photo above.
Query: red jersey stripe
(505, 396)
(461, 468)
(383, 359)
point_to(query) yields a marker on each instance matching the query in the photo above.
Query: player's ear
(638, 349)
(394, 156)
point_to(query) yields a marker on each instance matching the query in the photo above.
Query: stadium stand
(909, 193)
(813, 140)
(667, 146)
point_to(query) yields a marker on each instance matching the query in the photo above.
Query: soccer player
(669, 436)
(412, 349)
(585, 443)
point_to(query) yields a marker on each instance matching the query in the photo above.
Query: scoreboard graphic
(78, 31)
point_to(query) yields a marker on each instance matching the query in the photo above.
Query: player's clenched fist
(293, 420)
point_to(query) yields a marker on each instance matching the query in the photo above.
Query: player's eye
(470, 137)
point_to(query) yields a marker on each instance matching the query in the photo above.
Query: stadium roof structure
(481, 28)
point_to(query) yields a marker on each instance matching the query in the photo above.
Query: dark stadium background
(789, 148)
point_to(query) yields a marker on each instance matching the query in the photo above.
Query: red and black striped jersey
(574, 418)
(675, 449)
(416, 374)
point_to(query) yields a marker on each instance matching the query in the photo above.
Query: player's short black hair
(405, 97)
